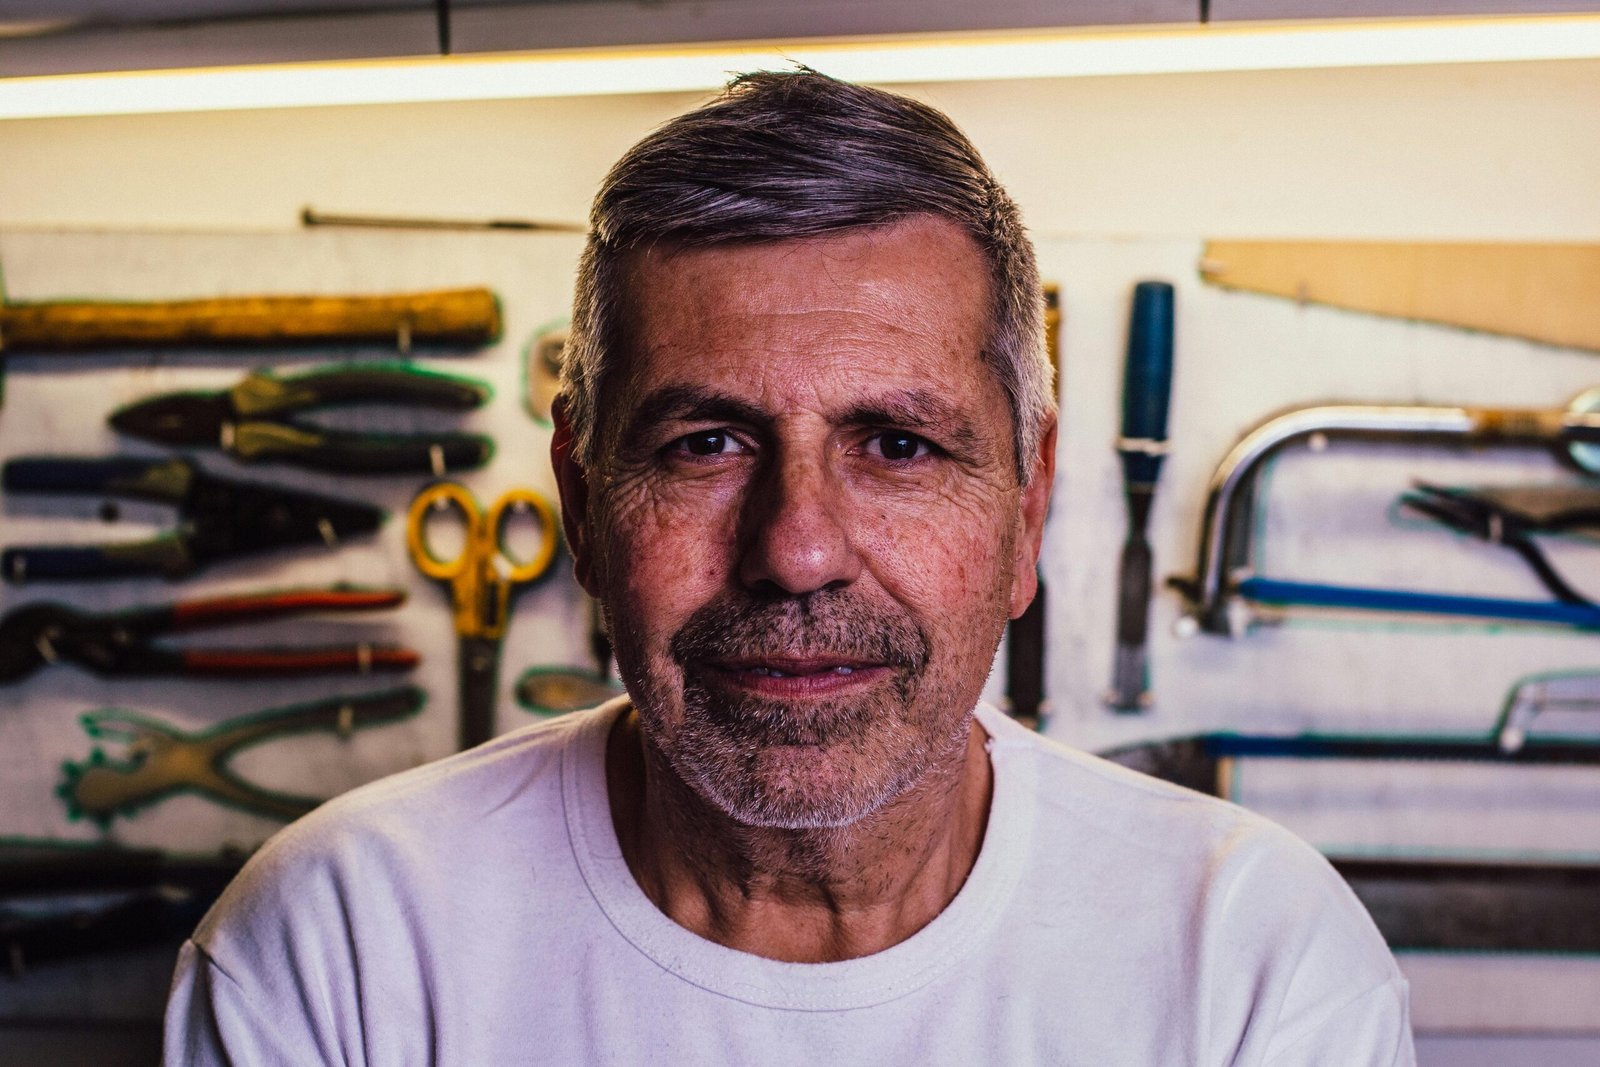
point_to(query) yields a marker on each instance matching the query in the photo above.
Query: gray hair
(782, 155)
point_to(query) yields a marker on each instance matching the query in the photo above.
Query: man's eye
(707, 443)
(893, 445)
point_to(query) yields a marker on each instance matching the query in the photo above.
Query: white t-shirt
(477, 911)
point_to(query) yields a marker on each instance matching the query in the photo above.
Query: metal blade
(176, 418)
(230, 518)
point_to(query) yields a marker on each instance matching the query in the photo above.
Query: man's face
(805, 524)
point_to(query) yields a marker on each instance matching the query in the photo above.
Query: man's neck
(797, 895)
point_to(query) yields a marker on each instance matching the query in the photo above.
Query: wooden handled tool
(462, 317)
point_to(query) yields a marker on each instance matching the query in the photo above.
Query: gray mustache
(815, 625)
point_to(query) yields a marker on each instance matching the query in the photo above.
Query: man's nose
(796, 535)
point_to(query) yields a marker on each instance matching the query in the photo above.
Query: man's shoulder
(1188, 880)
(440, 816)
(1108, 814)
(461, 787)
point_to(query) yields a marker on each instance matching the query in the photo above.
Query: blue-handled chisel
(1146, 391)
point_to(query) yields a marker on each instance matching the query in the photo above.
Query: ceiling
(41, 37)
(75, 36)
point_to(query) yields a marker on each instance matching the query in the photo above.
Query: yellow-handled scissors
(481, 578)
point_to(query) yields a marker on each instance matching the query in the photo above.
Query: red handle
(269, 661)
(195, 613)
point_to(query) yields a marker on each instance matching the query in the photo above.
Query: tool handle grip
(363, 383)
(256, 662)
(458, 317)
(34, 563)
(1147, 381)
(217, 610)
(61, 474)
(360, 453)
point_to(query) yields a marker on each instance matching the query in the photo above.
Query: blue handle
(1147, 383)
(41, 563)
(1313, 594)
(57, 474)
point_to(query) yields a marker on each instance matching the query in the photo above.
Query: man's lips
(796, 675)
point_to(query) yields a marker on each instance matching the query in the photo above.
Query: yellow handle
(442, 495)
(517, 502)
(480, 588)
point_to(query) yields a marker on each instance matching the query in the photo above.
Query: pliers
(163, 760)
(1511, 517)
(218, 518)
(120, 643)
(252, 420)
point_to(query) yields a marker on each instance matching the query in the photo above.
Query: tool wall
(1326, 512)
(1325, 515)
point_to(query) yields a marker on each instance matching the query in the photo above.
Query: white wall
(1491, 150)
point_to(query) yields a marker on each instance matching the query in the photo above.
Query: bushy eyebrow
(684, 403)
(919, 410)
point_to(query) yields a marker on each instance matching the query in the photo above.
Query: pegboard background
(1325, 517)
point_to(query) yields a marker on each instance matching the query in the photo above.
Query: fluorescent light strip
(1188, 50)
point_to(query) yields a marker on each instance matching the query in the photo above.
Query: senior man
(805, 447)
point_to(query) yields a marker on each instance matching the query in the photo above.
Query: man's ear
(1035, 505)
(572, 481)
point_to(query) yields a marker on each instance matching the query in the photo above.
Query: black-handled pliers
(219, 518)
(1511, 517)
(252, 421)
(117, 644)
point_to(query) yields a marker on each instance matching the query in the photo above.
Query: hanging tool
(1025, 635)
(250, 420)
(1430, 903)
(1510, 517)
(1146, 391)
(558, 690)
(119, 644)
(482, 578)
(1542, 292)
(311, 217)
(61, 900)
(1559, 691)
(1228, 526)
(218, 518)
(449, 317)
(163, 761)
(1280, 591)
(1201, 761)
(1438, 906)
(541, 370)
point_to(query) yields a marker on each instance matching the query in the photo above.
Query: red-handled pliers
(119, 643)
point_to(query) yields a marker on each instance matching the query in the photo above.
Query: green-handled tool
(1146, 390)
(254, 420)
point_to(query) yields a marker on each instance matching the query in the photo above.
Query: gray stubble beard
(729, 749)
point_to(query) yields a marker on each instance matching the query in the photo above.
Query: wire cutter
(218, 518)
(481, 579)
(119, 643)
(251, 421)
(1511, 517)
